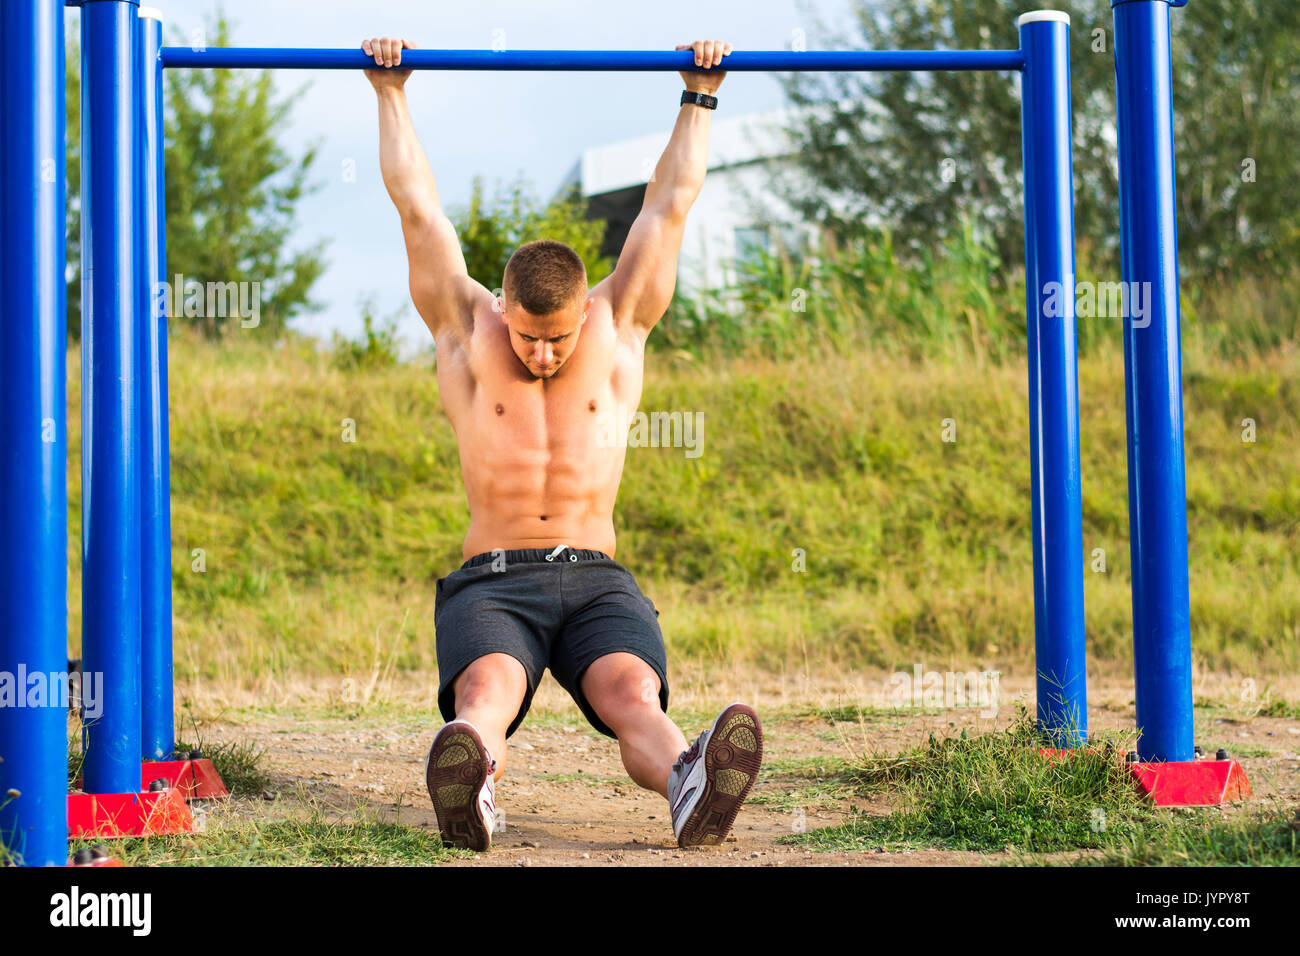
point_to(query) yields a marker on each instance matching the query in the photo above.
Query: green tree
(881, 147)
(924, 150)
(231, 190)
(1237, 123)
(376, 347)
(491, 230)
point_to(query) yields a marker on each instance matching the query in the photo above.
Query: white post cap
(151, 13)
(1038, 16)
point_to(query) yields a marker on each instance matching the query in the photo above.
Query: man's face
(544, 342)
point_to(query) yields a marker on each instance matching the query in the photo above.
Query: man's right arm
(441, 287)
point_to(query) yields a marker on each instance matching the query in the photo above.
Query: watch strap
(699, 99)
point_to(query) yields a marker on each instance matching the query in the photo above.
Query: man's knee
(496, 681)
(620, 686)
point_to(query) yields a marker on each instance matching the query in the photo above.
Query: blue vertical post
(157, 728)
(1162, 646)
(33, 455)
(1053, 378)
(111, 299)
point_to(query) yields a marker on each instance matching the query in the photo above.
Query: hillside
(321, 555)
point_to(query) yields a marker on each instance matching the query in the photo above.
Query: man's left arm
(640, 288)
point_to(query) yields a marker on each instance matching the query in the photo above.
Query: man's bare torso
(535, 454)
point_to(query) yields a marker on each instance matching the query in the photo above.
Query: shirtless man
(524, 379)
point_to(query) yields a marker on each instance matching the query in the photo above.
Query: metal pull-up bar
(620, 61)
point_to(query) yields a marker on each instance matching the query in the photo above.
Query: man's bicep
(441, 288)
(641, 287)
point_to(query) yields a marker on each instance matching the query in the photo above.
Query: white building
(726, 222)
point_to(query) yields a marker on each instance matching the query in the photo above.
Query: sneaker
(711, 779)
(459, 773)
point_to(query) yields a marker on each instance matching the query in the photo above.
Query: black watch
(699, 99)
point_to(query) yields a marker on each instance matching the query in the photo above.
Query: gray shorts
(560, 608)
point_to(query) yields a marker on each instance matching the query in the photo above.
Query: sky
(496, 125)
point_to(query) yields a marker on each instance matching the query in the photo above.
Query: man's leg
(489, 693)
(624, 692)
(485, 697)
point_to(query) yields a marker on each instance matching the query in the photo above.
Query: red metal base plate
(1180, 783)
(107, 815)
(1191, 783)
(195, 779)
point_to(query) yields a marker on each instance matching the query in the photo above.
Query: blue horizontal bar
(597, 60)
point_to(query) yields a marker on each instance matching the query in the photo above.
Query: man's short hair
(544, 276)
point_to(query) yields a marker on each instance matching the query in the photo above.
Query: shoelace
(688, 755)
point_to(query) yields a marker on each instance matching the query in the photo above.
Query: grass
(820, 781)
(1269, 836)
(240, 765)
(270, 836)
(952, 301)
(862, 713)
(297, 553)
(317, 498)
(1276, 707)
(994, 793)
(987, 792)
(300, 831)
(591, 779)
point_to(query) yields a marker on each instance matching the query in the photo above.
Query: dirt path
(568, 802)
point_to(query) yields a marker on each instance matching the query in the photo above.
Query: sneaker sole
(732, 758)
(457, 769)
